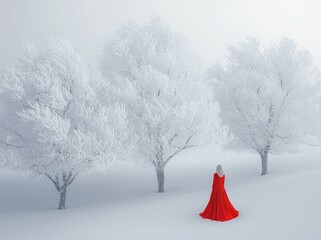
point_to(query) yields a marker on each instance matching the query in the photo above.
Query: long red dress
(219, 207)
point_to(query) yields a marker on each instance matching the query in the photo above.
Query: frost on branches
(269, 97)
(55, 119)
(160, 82)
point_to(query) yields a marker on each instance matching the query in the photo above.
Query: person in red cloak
(219, 207)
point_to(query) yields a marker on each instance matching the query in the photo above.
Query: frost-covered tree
(55, 120)
(160, 81)
(268, 96)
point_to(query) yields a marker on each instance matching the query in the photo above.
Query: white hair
(219, 170)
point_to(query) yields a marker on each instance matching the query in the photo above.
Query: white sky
(210, 25)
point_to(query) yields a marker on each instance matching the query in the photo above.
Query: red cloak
(219, 207)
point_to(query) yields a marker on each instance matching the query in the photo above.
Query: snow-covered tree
(268, 96)
(55, 120)
(161, 83)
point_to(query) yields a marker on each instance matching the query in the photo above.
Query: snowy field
(124, 204)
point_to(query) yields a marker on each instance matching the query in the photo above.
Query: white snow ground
(123, 204)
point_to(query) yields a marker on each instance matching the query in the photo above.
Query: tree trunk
(264, 158)
(62, 201)
(61, 182)
(160, 179)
